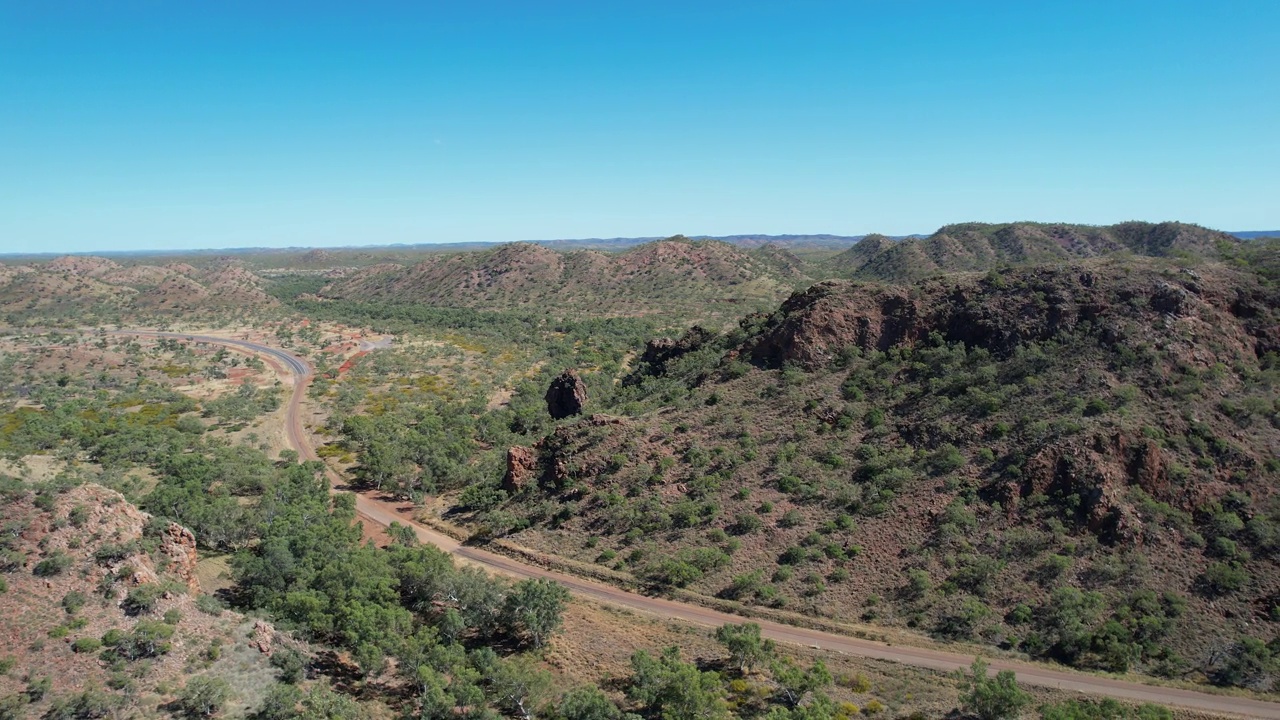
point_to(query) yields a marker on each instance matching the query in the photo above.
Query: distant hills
(674, 274)
(73, 285)
(981, 246)
(818, 241)
(698, 279)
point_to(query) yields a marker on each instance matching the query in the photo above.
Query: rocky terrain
(979, 246)
(92, 287)
(1074, 461)
(101, 610)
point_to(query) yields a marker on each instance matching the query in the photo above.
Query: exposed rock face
(1169, 298)
(178, 544)
(522, 467)
(1098, 472)
(660, 351)
(567, 395)
(1004, 311)
(1067, 471)
(263, 637)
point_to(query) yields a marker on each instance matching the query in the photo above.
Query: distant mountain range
(819, 241)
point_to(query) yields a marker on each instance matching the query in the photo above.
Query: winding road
(384, 513)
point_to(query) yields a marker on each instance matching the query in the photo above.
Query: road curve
(384, 513)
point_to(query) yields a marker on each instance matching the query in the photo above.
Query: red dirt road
(384, 513)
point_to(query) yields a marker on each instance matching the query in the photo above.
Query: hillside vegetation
(673, 276)
(981, 246)
(88, 288)
(1076, 461)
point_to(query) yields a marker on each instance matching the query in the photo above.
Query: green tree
(794, 682)
(518, 686)
(402, 534)
(281, 703)
(746, 648)
(675, 690)
(322, 703)
(990, 698)
(1247, 663)
(92, 703)
(588, 703)
(534, 609)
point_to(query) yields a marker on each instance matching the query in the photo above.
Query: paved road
(384, 513)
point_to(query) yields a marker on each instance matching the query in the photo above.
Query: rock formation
(178, 544)
(522, 466)
(567, 395)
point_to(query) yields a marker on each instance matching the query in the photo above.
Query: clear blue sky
(134, 125)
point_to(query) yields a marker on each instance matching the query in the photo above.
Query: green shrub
(918, 584)
(1106, 709)
(997, 698)
(860, 684)
(73, 601)
(109, 553)
(945, 459)
(143, 598)
(1248, 663)
(148, 639)
(37, 687)
(57, 562)
(78, 516)
(1096, 406)
(673, 572)
(793, 556)
(291, 664)
(1222, 578)
(203, 696)
(209, 605)
(86, 645)
(744, 586)
(745, 524)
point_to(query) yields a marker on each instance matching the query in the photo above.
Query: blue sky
(137, 125)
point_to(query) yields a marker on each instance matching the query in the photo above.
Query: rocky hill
(980, 246)
(666, 276)
(99, 610)
(1076, 461)
(85, 286)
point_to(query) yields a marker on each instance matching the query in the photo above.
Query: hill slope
(83, 564)
(673, 275)
(88, 287)
(980, 246)
(1074, 461)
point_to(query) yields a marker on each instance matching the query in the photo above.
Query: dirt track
(383, 512)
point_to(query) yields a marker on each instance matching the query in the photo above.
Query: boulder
(567, 395)
(522, 466)
(263, 637)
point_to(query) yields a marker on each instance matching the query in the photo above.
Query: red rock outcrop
(522, 467)
(263, 637)
(178, 544)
